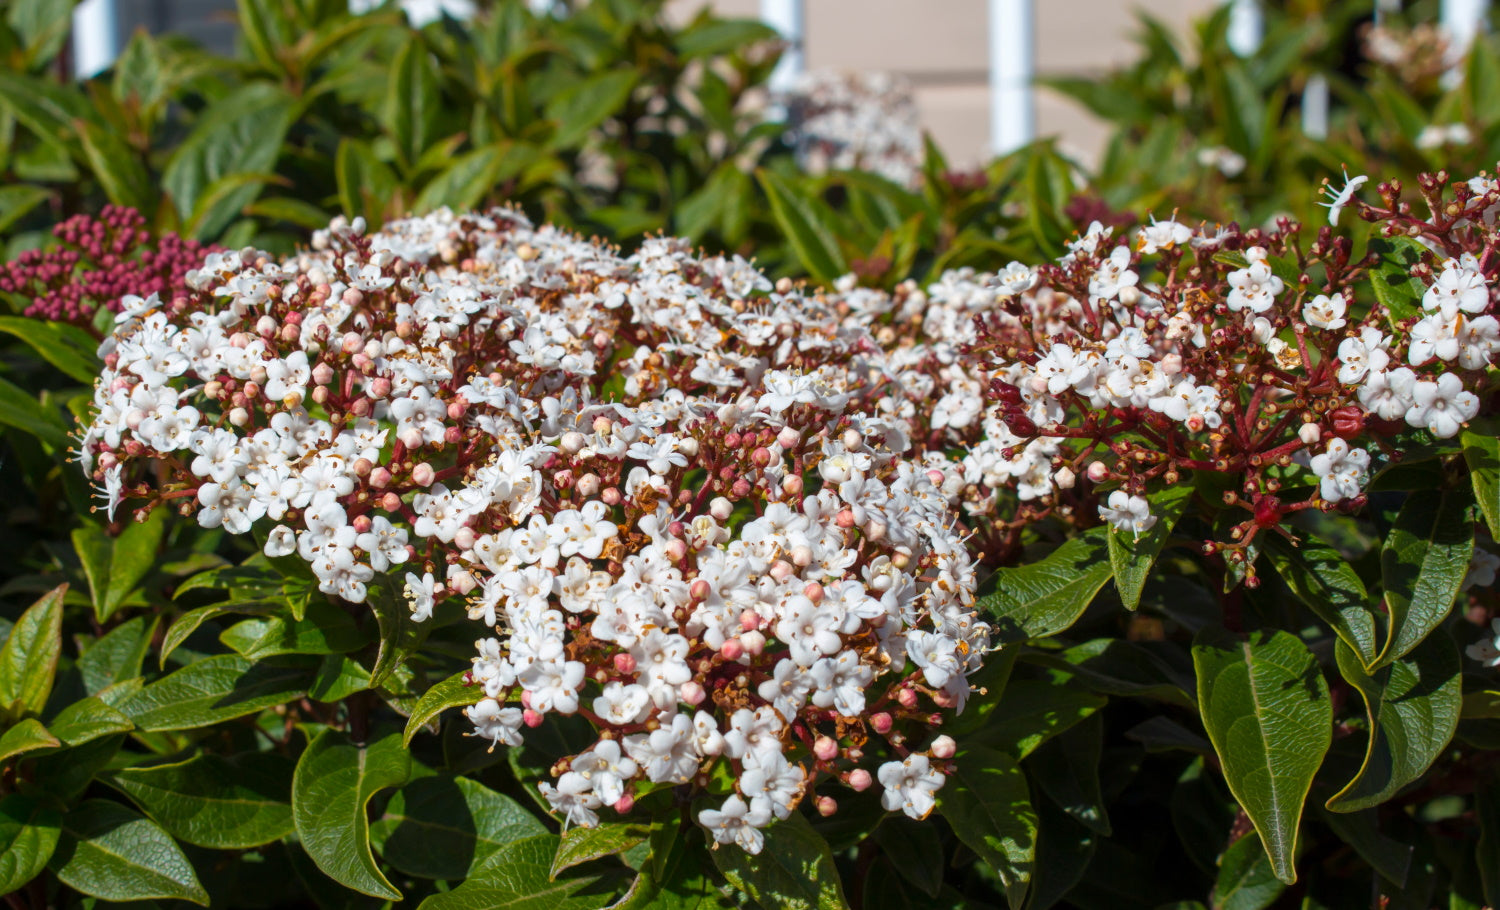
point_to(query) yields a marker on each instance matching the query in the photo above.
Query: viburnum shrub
(888, 597)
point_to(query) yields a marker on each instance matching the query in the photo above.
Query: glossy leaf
(334, 781)
(1066, 769)
(1132, 557)
(413, 100)
(446, 827)
(216, 689)
(583, 106)
(28, 659)
(1412, 706)
(806, 230)
(1265, 705)
(1032, 712)
(450, 693)
(987, 801)
(110, 852)
(1247, 878)
(1323, 580)
(1482, 454)
(29, 830)
(118, 655)
(1046, 597)
(515, 878)
(131, 559)
(1396, 286)
(365, 183)
(28, 735)
(66, 347)
(116, 166)
(1361, 830)
(579, 845)
(794, 869)
(1423, 562)
(210, 801)
(86, 720)
(21, 410)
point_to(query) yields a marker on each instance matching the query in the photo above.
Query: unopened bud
(720, 508)
(749, 620)
(422, 474)
(361, 524)
(531, 718)
(732, 649)
(825, 748)
(699, 589)
(390, 502)
(588, 484)
(611, 496)
(859, 780)
(571, 442)
(813, 592)
(239, 416)
(882, 721)
(827, 805)
(754, 642)
(788, 438)
(412, 438)
(1309, 434)
(907, 698)
(675, 550)
(692, 693)
(792, 485)
(464, 538)
(1097, 471)
(624, 663)
(1065, 478)
(380, 478)
(625, 803)
(943, 747)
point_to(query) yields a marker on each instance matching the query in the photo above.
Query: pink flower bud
(378, 388)
(907, 698)
(749, 620)
(239, 416)
(792, 485)
(603, 426)
(390, 502)
(625, 803)
(531, 718)
(361, 524)
(588, 484)
(412, 438)
(882, 721)
(699, 589)
(380, 478)
(943, 747)
(859, 780)
(675, 550)
(563, 480)
(422, 474)
(852, 439)
(571, 442)
(464, 537)
(827, 806)
(456, 409)
(611, 496)
(845, 519)
(732, 441)
(782, 570)
(944, 699)
(265, 327)
(692, 692)
(732, 649)
(720, 508)
(252, 389)
(875, 529)
(788, 438)
(741, 489)
(825, 748)
(624, 663)
(813, 592)
(453, 435)
(1097, 471)
(754, 643)
(462, 581)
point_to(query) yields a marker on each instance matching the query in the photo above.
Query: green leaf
(515, 878)
(337, 678)
(1393, 279)
(450, 693)
(240, 133)
(20, 409)
(365, 183)
(216, 689)
(988, 803)
(1412, 706)
(110, 852)
(116, 166)
(400, 636)
(1131, 557)
(42, 26)
(118, 655)
(1423, 562)
(185, 625)
(28, 659)
(446, 827)
(323, 629)
(713, 37)
(1361, 830)
(809, 235)
(1324, 581)
(465, 181)
(1046, 597)
(1247, 878)
(579, 845)
(1482, 453)
(793, 871)
(26, 736)
(1032, 712)
(919, 848)
(413, 100)
(1265, 705)
(132, 559)
(66, 347)
(1066, 768)
(334, 781)
(29, 829)
(221, 803)
(16, 201)
(86, 720)
(581, 107)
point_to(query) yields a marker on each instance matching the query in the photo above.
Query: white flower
(735, 822)
(1482, 567)
(1342, 470)
(419, 594)
(574, 798)
(1442, 406)
(1337, 200)
(1460, 286)
(1358, 356)
(1162, 235)
(1254, 287)
(606, 769)
(1128, 513)
(910, 786)
(1388, 394)
(1487, 649)
(1325, 312)
(281, 542)
(498, 724)
(771, 782)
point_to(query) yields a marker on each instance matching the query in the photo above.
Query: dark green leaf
(222, 803)
(132, 558)
(42, 26)
(1323, 580)
(1394, 281)
(66, 347)
(365, 183)
(28, 659)
(1424, 560)
(465, 181)
(1132, 557)
(1046, 597)
(110, 852)
(16, 201)
(1413, 707)
(515, 878)
(323, 629)
(116, 166)
(1361, 830)
(1247, 879)
(334, 781)
(29, 829)
(450, 693)
(1265, 705)
(21, 410)
(1482, 452)
(579, 845)
(1032, 712)
(584, 105)
(216, 689)
(337, 678)
(1066, 768)
(713, 37)
(118, 655)
(1487, 851)
(806, 229)
(446, 827)
(988, 803)
(793, 871)
(916, 850)
(413, 99)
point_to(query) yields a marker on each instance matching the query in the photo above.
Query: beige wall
(942, 47)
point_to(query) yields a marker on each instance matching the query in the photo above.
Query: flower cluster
(98, 263)
(665, 487)
(855, 121)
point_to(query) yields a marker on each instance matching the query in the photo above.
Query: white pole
(1315, 107)
(786, 16)
(1246, 26)
(96, 39)
(1012, 118)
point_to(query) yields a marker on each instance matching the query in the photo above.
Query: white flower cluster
(855, 121)
(666, 489)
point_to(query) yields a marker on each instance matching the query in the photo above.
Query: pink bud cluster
(99, 262)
